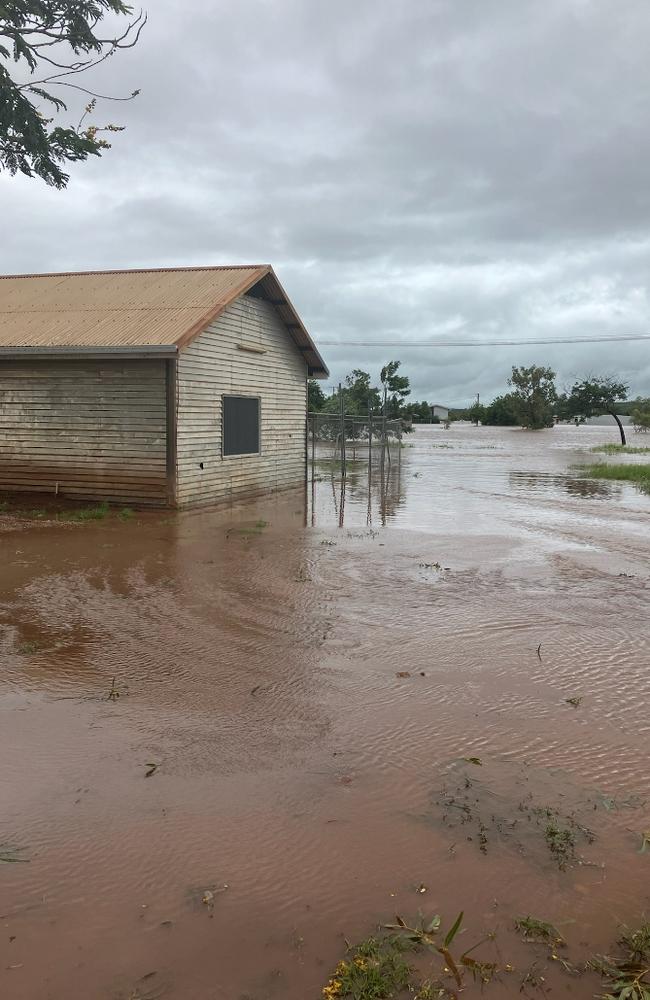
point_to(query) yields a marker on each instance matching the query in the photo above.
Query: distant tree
(639, 410)
(641, 417)
(360, 394)
(420, 412)
(533, 396)
(562, 406)
(476, 413)
(596, 395)
(49, 39)
(625, 407)
(501, 412)
(315, 396)
(395, 388)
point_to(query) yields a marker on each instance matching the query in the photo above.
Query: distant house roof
(441, 406)
(148, 310)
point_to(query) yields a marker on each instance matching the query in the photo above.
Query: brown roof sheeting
(134, 309)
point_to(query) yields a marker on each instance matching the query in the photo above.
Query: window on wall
(241, 425)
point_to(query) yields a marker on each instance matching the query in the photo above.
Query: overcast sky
(457, 168)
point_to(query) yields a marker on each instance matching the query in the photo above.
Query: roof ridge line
(139, 270)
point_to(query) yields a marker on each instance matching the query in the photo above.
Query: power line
(483, 343)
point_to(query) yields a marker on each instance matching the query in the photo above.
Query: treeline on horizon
(501, 413)
(533, 401)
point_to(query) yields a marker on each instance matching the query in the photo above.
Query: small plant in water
(628, 977)
(636, 943)
(126, 514)
(561, 842)
(248, 530)
(534, 979)
(539, 931)
(425, 934)
(638, 474)
(374, 970)
(114, 693)
(29, 647)
(616, 449)
(97, 513)
(575, 701)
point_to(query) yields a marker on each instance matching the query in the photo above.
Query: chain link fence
(334, 435)
(349, 451)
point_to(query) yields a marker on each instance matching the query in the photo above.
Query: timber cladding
(245, 352)
(117, 385)
(95, 428)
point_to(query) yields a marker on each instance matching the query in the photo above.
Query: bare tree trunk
(620, 427)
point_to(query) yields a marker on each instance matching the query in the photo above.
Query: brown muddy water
(303, 791)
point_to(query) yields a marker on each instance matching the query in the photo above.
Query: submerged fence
(342, 437)
(337, 440)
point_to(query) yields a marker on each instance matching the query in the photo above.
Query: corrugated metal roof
(131, 309)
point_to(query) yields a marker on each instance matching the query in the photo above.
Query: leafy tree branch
(41, 38)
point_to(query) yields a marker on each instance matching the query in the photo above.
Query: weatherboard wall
(91, 429)
(246, 351)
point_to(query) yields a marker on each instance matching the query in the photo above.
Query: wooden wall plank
(212, 366)
(97, 428)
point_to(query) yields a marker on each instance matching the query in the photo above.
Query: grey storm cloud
(461, 168)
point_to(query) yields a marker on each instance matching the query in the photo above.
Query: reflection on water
(376, 487)
(463, 478)
(575, 486)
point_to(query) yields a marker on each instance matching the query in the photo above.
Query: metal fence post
(342, 431)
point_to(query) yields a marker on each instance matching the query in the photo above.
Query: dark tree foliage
(501, 412)
(48, 43)
(360, 395)
(420, 412)
(395, 388)
(596, 395)
(533, 396)
(315, 396)
(476, 413)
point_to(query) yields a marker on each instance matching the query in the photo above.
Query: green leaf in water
(453, 930)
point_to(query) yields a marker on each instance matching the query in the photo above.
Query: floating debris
(10, 854)
(114, 693)
(575, 701)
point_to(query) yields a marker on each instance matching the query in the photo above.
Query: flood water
(303, 792)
